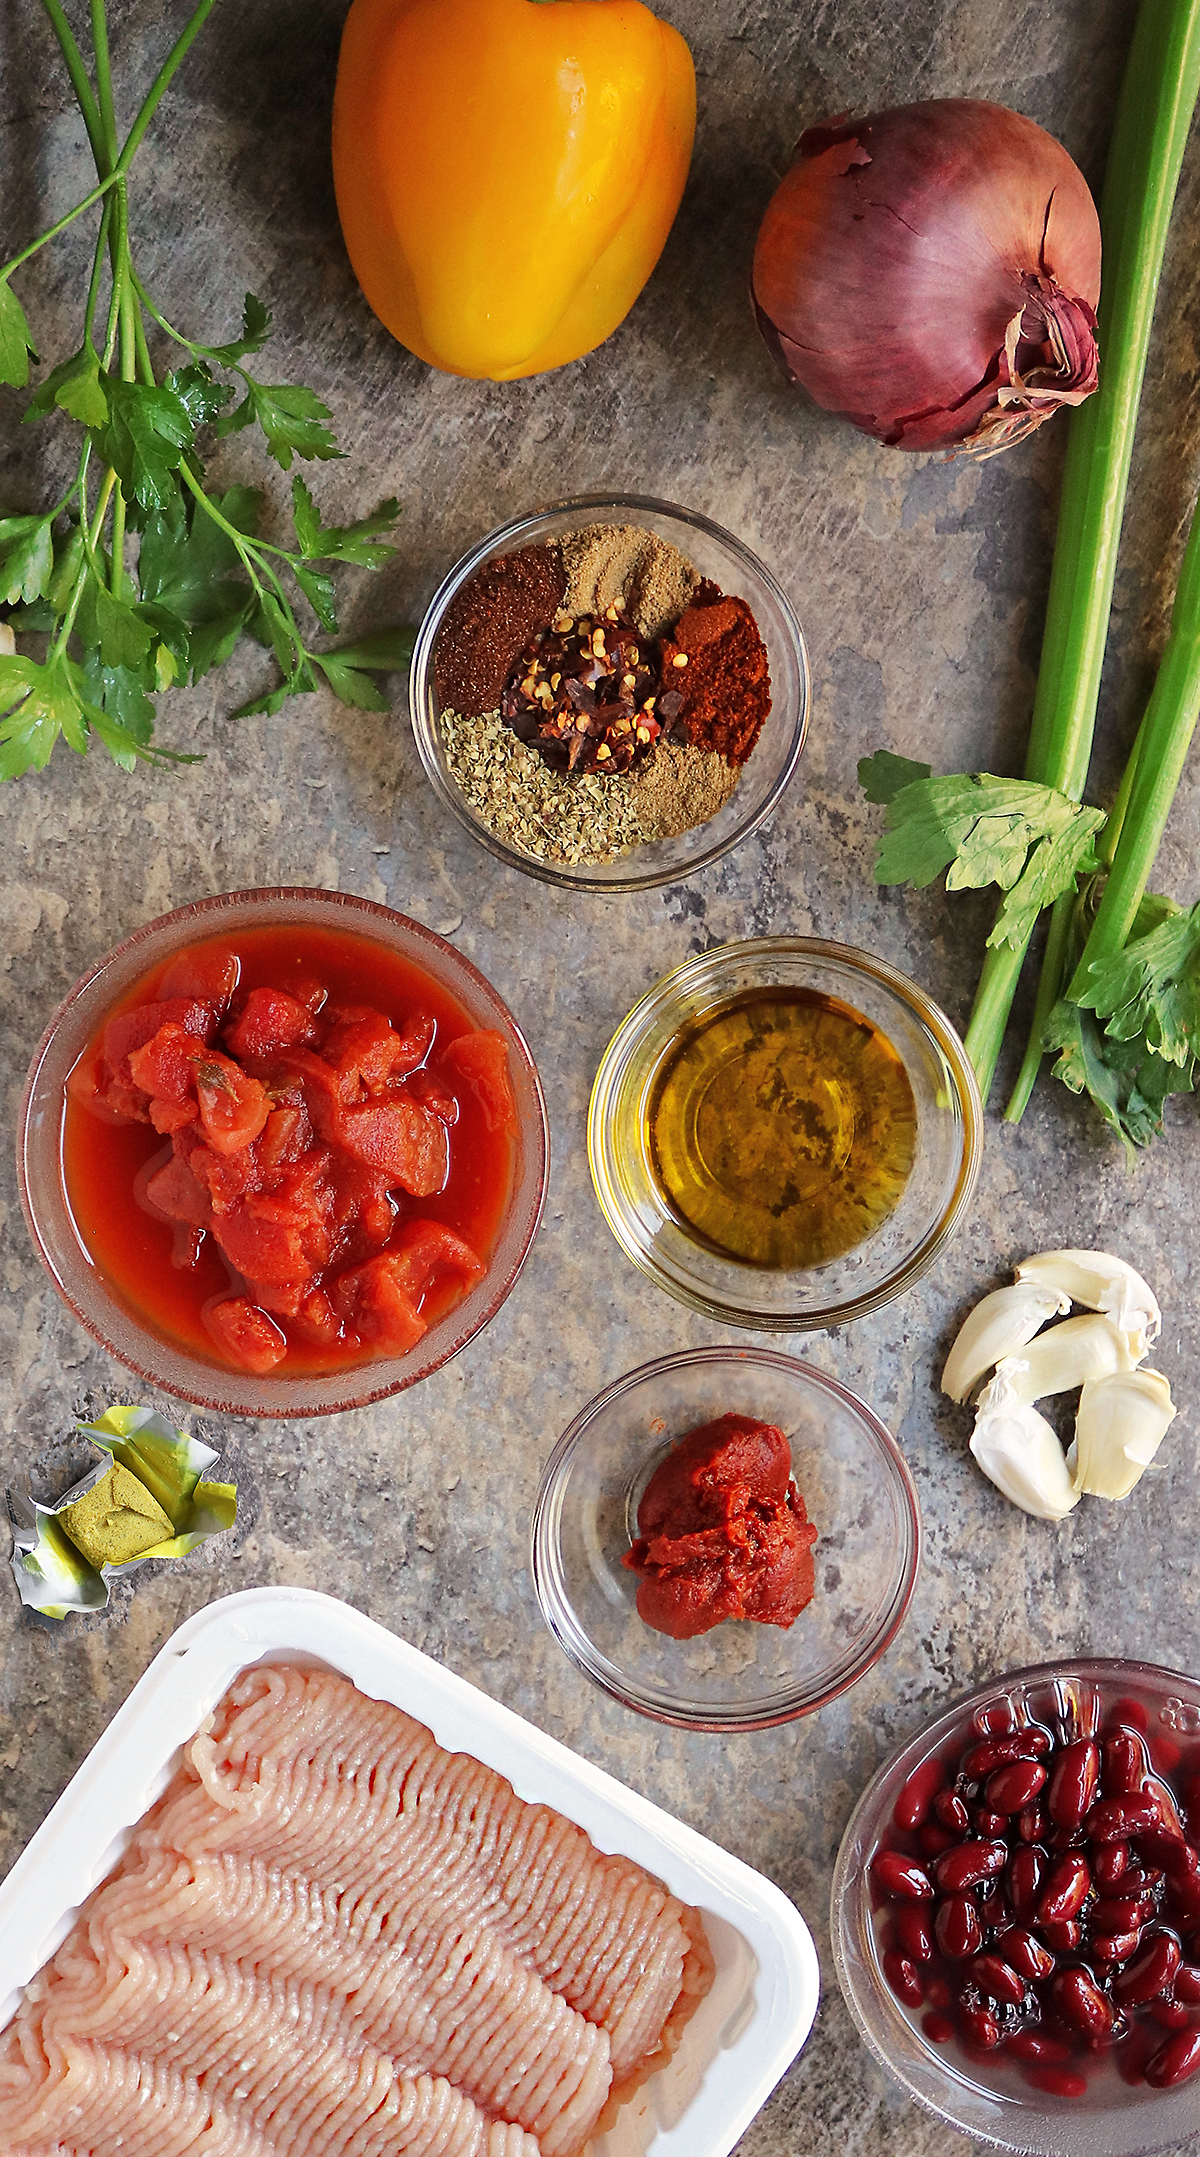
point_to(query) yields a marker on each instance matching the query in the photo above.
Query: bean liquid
(782, 1128)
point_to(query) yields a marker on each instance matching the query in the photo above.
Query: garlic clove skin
(1070, 1355)
(998, 1326)
(1103, 1283)
(1019, 1453)
(1122, 1421)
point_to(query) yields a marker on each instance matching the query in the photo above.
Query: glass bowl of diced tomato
(283, 1152)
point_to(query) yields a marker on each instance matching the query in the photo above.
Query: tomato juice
(170, 1277)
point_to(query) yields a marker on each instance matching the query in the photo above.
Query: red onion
(932, 274)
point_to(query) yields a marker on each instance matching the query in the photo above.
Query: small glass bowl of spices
(784, 1133)
(611, 693)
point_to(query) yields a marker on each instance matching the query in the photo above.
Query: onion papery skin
(931, 274)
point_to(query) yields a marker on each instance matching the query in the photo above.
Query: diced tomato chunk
(266, 1252)
(317, 1319)
(268, 1022)
(226, 1177)
(165, 1066)
(246, 1336)
(285, 1136)
(324, 1089)
(210, 975)
(482, 1060)
(131, 1030)
(400, 1139)
(367, 1049)
(177, 1193)
(171, 1116)
(420, 1247)
(361, 1201)
(233, 1106)
(434, 1095)
(372, 1300)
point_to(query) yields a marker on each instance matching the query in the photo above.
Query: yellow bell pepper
(507, 171)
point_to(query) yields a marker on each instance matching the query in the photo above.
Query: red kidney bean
(1035, 2045)
(938, 1993)
(981, 2026)
(1187, 1983)
(1140, 1879)
(997, 1721)
(1168, 1811)
(968, 1864)
(1172, 2014)
(938, 2028)
(983, 1759)
(1073, 1782)
(1114, 1819)
(912, 1805)
(901, 1876)
(1014, 1786)
(1080, 2003)
(1177, 1859)
(1126, 1762)
(1151, 1973)
(904, 1979)
(993, 1903)
(1109, 1861)
(914, 1932)
(1111, 1947)
(1022, 1952)
(1066, 1890)
(1026, 1871)
(951, 1811)
(990, 1824)
(957, 1928)
(1165, 1753)
(1032, 1824)
(1057, 2081)
(1185, 1895)
(1120, 1913)
(1174, 2061)
(996, 1979)
(934, 1838)
(1064, 1938)
(1129, 1714)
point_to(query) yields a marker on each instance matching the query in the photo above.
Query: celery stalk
(1161, 751)
(1154, 113)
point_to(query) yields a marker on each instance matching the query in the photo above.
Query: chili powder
(725, 677)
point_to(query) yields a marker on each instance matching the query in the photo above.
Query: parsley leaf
(1150, 991)
(318, 588)
(26, 558)
(203, 399)
(124, 639)
(356, 542)
(189, 565)
(74, 387)
(256, 328)
(291, 416)
(143, 439)
(37, 704)
(16, 344)
(381, 651)
(349, 686)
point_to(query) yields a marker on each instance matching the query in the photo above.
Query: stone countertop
(921, 585)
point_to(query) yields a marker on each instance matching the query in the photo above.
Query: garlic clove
(1105, 1284)
(1018, 1451)
(1121, 1423)
(1065, 1357)
(999, 1325)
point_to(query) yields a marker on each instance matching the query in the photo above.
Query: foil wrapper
(53, 1576)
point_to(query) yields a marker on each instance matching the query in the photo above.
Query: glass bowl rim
(930, 1015)
(1124, 1669)
(536, 1139)
(543, 1542)
(421, 668)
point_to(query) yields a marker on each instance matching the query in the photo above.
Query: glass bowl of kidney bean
(1016, 1911)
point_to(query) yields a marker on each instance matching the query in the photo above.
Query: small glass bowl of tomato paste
(283, 1152)
(743, 1673)
(1016, 1911)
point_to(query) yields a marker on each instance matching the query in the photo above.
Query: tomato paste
(723, 1532)
(289, 1148)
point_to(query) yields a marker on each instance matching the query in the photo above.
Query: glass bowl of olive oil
(784, 1133)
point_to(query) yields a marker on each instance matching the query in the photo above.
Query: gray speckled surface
(921, 586)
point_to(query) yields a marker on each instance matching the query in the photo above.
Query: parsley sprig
(141, 577)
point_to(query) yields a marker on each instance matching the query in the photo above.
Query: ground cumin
(725, 680)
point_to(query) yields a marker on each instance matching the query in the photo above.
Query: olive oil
(782, 1128)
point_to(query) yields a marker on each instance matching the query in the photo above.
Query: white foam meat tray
(742, 2037)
